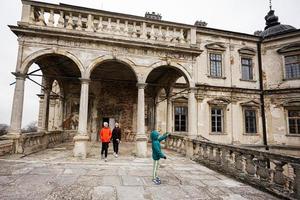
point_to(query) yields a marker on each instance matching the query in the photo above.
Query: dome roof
(273, 26)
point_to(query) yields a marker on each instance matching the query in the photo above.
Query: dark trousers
(116, 146)
(104, 148)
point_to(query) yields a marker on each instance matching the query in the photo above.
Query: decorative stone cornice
(216, 46)
(251, 103)
(141, 85)
(219, 101)
(247, 51)
(291, 103)
(85, 80)
(19, 75)
(289, 48)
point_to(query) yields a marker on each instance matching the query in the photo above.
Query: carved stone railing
(27, 143)
(69, 18)
(278, 174)
(176, 143)
(6, 147)
(34, 142)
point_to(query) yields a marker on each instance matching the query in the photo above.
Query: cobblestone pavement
(55, 174)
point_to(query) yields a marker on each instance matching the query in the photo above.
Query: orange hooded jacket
(105, 134)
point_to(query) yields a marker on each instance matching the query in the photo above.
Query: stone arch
(101, 59)
(175, 66)
(29, 60)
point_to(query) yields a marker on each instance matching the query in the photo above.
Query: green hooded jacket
(156, 150)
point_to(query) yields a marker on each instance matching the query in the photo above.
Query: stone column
(141, 138)
(81, 139)
(61, 108)
(192, 117)
(45, 112)
(169, 114)
(17, 107)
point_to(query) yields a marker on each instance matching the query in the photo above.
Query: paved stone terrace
(55, 174)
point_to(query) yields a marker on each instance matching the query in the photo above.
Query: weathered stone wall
(112, 100)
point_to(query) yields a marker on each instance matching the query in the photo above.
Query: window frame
(242, 57)
(186, 120)
(224, 128)
(215, 61)
(287, 109)
(256, 110)
(284, 65)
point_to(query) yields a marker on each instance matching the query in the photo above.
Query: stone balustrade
(34, 142)
(276, 173)
(28, 143)
(64, 18)
(6, 147)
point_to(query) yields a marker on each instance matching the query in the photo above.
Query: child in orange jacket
(105, 135)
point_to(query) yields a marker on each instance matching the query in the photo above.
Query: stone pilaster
(169, 115)
(81, 139)
(17, 107)
(141, 138)
(192, 117)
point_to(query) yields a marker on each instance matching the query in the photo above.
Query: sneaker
(116, 155)
(156, 182)
(105, 159)
(158, 179)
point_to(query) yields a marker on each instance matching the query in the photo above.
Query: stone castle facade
(146, 73)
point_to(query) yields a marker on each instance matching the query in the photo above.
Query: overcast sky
(244, 16)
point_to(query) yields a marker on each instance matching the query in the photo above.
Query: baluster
(61, 20)
(279, 178)
(90, 24)
(250, 165)
(174, 36)
(126, 28)
(296, 180)
(167, 35)
(262, 170)
(134, 31)
(239, 162)
(51, 18)
(118, 29)
(211, 153)
(32, 18)
(70, 22)
(152, 33)
(181, 37)
(225, 158)
(144, 31)
(196, 149)
(100, 25)
(108, 27)
(41, 21)
(159, 34)
(218, 156)
(178, 145)
(79, 23)
(205, 155)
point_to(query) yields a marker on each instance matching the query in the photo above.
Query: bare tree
(3, 129)
(31, 127)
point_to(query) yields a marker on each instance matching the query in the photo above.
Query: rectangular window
(217, 120)
(181, 118)
(292, 66)
(250, 121)
(294, 121)
(215, 64)
(247, 71)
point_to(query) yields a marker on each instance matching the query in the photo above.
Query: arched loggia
(173, 80)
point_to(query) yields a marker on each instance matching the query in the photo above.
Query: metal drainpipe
(262, 101)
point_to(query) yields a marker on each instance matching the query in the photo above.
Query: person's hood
(154, 135)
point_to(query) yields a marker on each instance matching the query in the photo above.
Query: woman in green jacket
(157, 153)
